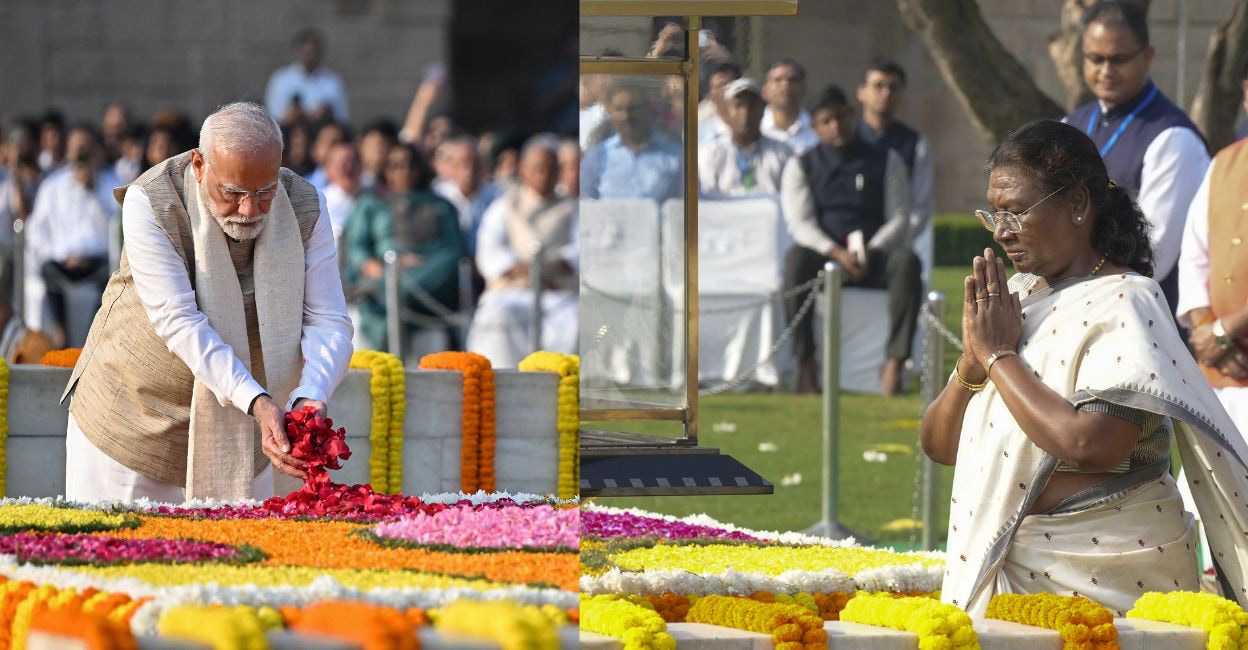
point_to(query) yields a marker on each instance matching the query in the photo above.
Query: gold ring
(1226, 371)
(981, 300)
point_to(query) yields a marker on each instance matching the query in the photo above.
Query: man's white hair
(547, 143)
(245, 127)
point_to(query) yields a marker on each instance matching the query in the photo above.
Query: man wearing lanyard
(743, 161)
(1149, 145)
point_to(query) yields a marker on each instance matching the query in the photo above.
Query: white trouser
(92, 476)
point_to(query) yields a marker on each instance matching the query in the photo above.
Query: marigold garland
(223, 628)
(4, 426)
(511, 625)
(938, 625)
(87, 618)
(791, 627)
(371, 627)
(66, 358)
(1080, 622)
(1224, 620)
(568, 414)
(387, 386)
(639, 626)
(478, 422)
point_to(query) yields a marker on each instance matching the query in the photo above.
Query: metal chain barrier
(814, 287)
(938, 325)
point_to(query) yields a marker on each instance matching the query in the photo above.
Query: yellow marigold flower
(937, 624)
(1223, 619)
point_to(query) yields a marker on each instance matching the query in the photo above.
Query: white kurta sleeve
(921, 183)
(494, 254)
(798, 205)
(895, 232)
(1194, 257)
(164, 287)
(326, 338)
(1174, 165)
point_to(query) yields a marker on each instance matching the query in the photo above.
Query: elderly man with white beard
(227, 309)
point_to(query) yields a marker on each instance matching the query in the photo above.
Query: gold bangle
(995, 357)
(974, 388)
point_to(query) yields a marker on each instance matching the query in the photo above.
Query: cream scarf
(1108, 338)
(220, 449)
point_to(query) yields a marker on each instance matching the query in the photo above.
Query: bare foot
(890, 377)
(807, 378)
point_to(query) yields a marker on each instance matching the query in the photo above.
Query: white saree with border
(1108, 338)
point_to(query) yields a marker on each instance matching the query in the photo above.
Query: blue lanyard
(1113, 139)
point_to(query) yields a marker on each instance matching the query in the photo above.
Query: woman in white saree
(1073, 381)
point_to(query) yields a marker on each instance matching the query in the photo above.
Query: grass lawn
(871, 494)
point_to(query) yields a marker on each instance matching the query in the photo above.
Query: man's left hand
(321, 407)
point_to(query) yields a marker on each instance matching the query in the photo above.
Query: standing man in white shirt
(1149, 145)
(712, 111)
(743, 161)
(342, 171)
(785, 119)
(208, 337)
(306, 88)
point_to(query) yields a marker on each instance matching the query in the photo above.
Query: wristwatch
(1220, 336)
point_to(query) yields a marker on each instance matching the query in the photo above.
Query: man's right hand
(849, 262)
(273, 440)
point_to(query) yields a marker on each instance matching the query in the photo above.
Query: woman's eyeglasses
(1011, 221)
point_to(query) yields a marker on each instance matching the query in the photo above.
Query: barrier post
(829, 525)
(394, 319)
(535, 280)
(933, 373)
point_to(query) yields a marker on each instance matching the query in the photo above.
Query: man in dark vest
(841, 192)
(880, 94)
(1149, 145)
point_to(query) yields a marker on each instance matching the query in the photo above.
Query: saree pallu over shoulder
(1108, 338)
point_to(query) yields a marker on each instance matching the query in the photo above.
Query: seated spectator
(712, 111)
(569, 168)
(504, 158)
(461, 180)
(526, 216)
(342, 169)
(67, 233)
(297, 155)
(51, 141)
(306, 89)
(114, 125)
(19, 182)
(423, 229)
(742, 161)
(131, 152)
(329, 135)
(843, 190)
(635, 162)
(161, 146)
(376, 141)
(785, 119)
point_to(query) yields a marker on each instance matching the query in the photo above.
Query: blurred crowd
(471, 217)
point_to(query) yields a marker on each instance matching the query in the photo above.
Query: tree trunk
(1067, 54)
(1220, 92)
(995, 89)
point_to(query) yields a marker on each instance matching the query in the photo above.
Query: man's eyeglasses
(1096, 60)
(1011, 221)
(235, 195)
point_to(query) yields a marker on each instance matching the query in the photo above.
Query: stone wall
(193, 55)
(834, 39)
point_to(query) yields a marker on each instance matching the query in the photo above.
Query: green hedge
(959, 238)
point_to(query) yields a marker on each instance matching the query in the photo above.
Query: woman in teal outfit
(422, 227)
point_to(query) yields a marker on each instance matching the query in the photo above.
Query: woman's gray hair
(245, 127)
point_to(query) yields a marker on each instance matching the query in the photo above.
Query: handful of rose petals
(314, 440)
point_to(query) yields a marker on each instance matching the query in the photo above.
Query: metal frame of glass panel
(693, 10)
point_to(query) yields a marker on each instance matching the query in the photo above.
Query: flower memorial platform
(655, 581)
(345, 560)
